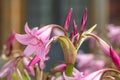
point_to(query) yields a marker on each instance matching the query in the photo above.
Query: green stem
(69, 69)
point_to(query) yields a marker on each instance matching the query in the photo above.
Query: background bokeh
(15, 13)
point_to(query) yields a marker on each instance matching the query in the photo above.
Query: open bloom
(36, 41)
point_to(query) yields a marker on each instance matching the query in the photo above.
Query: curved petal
(45, 32)
(23, 39)
(27, 29)
(29, 50)
(7, 67)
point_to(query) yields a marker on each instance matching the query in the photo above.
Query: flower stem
(69, 69)
(39, 74)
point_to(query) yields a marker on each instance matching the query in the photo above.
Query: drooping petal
(67, 20)
(102, 44)
(115, 57)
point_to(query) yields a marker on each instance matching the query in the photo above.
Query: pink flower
(115, 57)
(58, 68)
(36, 41)
(8, 69)
(87, 61)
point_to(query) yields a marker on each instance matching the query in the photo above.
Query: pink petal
(30, 69)
(35, 60)
(57, 32)
(27, 29)
(24, 39)
(67, 20)
(102, 44)
(34, 31)
(45, 35)
(7, 67)
(95, 75)
(45, 32)
(60, 67)
(115, 57)
(29, 50)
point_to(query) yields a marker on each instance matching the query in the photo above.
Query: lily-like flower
(115, 57)
(8, 69)
(36, 41)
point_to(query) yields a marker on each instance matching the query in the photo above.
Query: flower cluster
(77, 65)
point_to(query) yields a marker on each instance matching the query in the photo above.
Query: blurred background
(15, 13)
